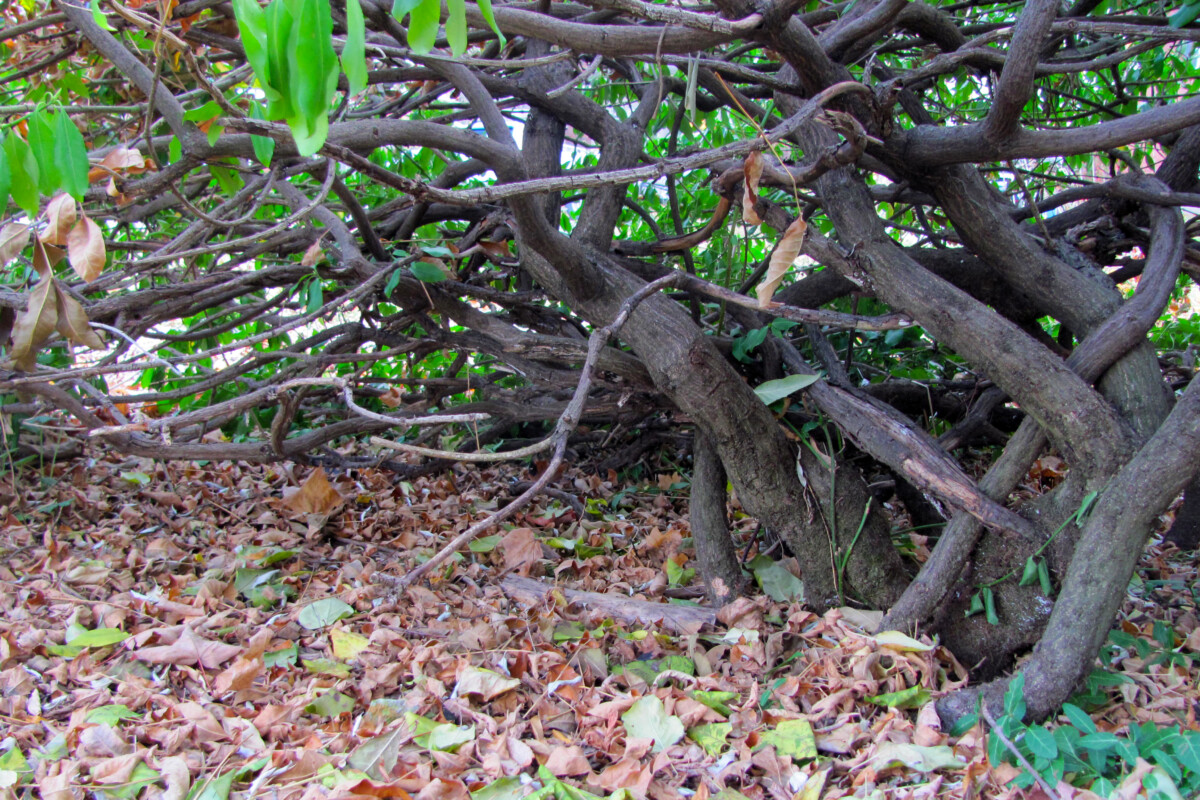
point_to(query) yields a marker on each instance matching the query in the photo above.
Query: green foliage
(1081, 754)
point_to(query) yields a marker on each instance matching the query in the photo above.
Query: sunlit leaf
(324, 612)
(647, 718)
(85, 249)
(784, 255)
(771, 391)
(354, 62)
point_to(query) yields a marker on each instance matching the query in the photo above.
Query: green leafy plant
(1081, 754)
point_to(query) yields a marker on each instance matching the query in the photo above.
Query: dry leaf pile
(227, 631)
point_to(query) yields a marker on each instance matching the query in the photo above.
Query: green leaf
(278, 21)
(922, 759)
(1044, 578)
(312, 73)
(424, 19)
(1030, 574)
(1185, 15)
(912, 697)
(392, 282)
(484, 544)
(507, 788)
(448, 737)
(775, 579)
(324, 612)
(976, 605)
(5, 175)
(175, 149)
(252, 25)
(70, 156)
(216, 789)
(647, 718)
(141, 777)
(101, 637)
(330, 704)
(1041, 742)
(1079, 718)
(1014, 698)
(282, 658)
(485, 8)
(354, 56)
(326, 666)
(98, 16)
(711, 737)
(210, 110)
(316, 296)
(13, 760)
(989, 606)
(717, 701)
(792, 737)
(1101, 740)
(770, 391)
(24, 174)
(228, 180)
(111, 714)
(428, 273)
(456, 26)
(677, 663)
(41, 144)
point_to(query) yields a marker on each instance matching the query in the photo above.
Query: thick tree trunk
(707, 512)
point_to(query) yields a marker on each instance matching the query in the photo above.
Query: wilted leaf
(484, 682)
(85, 249)
(347, 644)
(912, 697)
(315, 496)
(711, 737)
(60, 218)
(770, 391)
(782, 258)
(792, 737)
(189, 649)
(898, 641)
(34, 325)
(647, 718)
(73, 322)
(753, 172)
(13, 238)
(922, 759)
(124, 159)
(45, 256)
(775, 579)
(331, 704)
(377, 756)
(324, 612)
(313, 255)
(521, 550)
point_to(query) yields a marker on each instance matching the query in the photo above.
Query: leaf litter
(229, 631)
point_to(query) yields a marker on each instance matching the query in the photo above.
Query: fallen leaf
(898, 641)
(315, 496)
(484, 682)
(521, 550)
(324, 612)
(922, 759)
(791, 737)
(189, 649)
(785, 254)
(568, 761)
(647, 718)
(347, 644)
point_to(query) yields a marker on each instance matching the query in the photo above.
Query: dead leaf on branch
(314, 254)
(73, 321)
(13, 238)
(753, 171)
(85, 248)
(786, 253)
(45, 256)
(60, 218)
(34, 325)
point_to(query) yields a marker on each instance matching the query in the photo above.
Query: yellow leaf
(60, 217)
(35, 324)
(85, 248)
(347, 644)
(786, 252)
(898, 641)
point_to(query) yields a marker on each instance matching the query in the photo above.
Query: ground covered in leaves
(227, 631)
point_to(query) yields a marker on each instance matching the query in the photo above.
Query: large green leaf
(23, 169)
(264, 146)
(70, 156)
(5, 175)
(485, 8)
(279, 25)
(770, 391)
(423, 23)
(252, 25)
(41, 144)
(456, 25)
(354, 56)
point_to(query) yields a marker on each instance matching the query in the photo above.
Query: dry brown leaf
(59, 781)
(484, 682)
(85, 248)
(179, 777)
(753, 171)
(189, 649)
(73, 321)
(315, 496)
(439, 789)
(125, 159)
(786, 253)
(13, 238)
(45, 256)
(521, 550)
(60, 218)
(392, 398)
(314, 254)
(370, 788)
(628, 774)
(495, 250)
(568, 761)
(33, 326)
(118, 769)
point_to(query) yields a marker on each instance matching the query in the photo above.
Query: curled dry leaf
(126, 159)
(45, 256)
(85, 248)
(313, 255)
(782, 259)
(753, 171)
(60, 217)
(13, 238)
(35, 324)
(315, 496)
(189, 649)
(73, 321)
